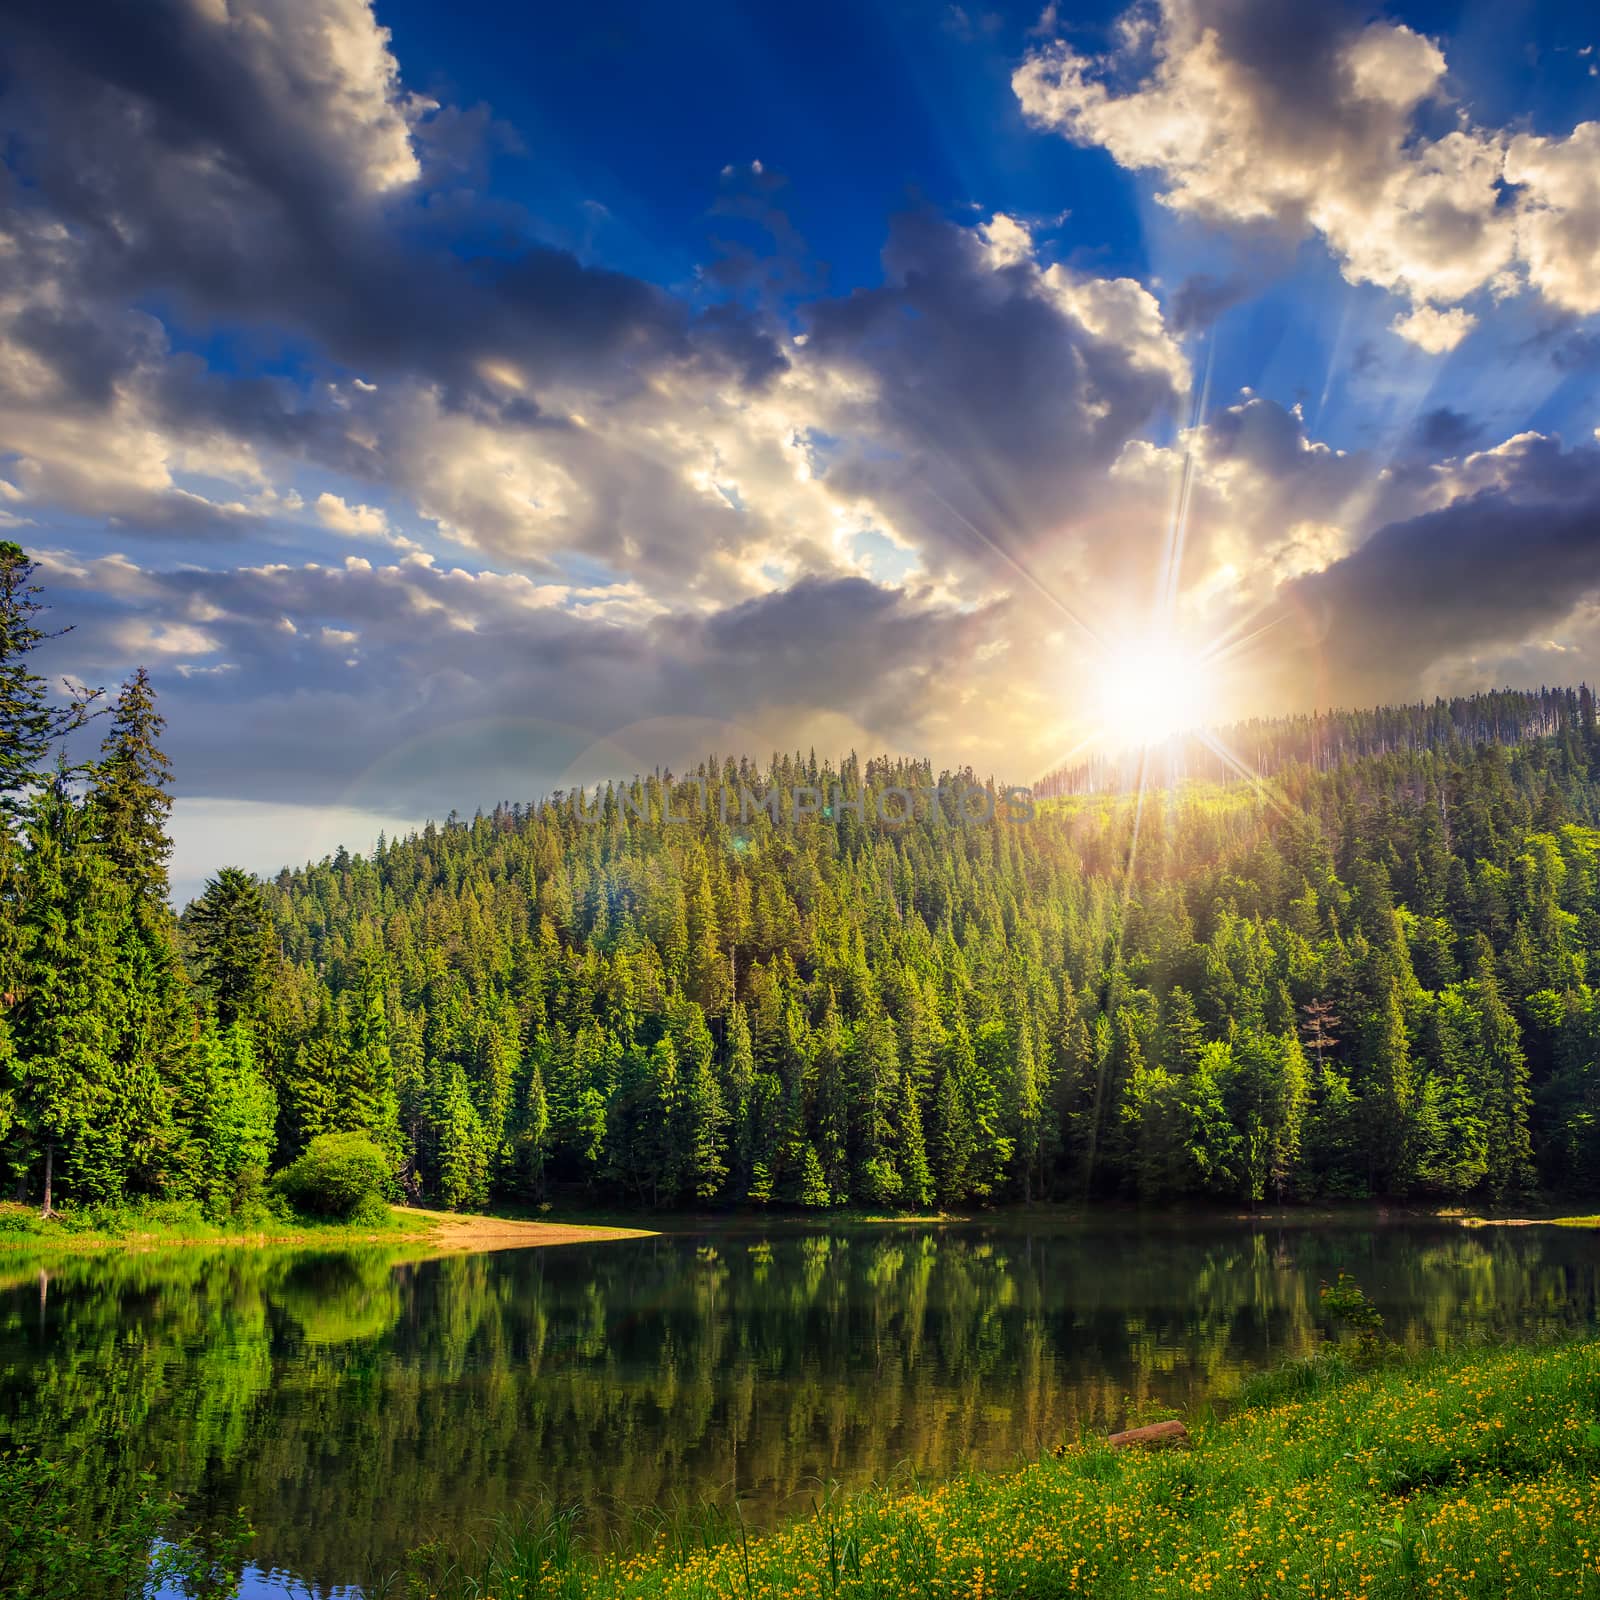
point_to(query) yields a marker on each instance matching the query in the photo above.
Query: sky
(453, 404)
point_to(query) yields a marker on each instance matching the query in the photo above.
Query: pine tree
(1386, 1087)
(66, 1011)
(230, 936)
(129, 790)
(1506, 1097)
(706, 1119)
(952, 1140)
(463, 1151)
(29, 723)
(233, 1119)
(814, 1190)
(917, 1186)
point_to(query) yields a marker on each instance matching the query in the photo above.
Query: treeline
(1266, 747)
(1365, 981)
(1368, 982)
(117, 1075)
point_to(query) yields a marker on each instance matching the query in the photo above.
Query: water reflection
(356, 1403)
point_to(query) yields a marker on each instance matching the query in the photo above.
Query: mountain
(1364, 974)
(1345, 955)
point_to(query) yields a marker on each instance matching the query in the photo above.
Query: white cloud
(1558, 217)
(330, 59)
(1256, 113)
(1433, 330)
(368, 522)
(139, 638)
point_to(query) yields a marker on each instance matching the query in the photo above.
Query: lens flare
(1148, 689)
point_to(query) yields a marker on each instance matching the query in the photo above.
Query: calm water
(354, 1405)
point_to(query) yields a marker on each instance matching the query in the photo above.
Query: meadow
(1467, 1473)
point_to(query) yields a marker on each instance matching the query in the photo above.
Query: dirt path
(450, 1231)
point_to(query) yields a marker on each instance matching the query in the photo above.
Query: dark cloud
(1202, 298)
(998, 391)
(324, 684)
(1445, 432)
(243, 174)
(765, 256)
(1481, 574)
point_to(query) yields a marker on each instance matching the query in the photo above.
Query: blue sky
(449, 404)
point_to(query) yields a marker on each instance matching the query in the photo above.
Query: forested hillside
(1364, 980)
(1327, 739)
(1370, 981)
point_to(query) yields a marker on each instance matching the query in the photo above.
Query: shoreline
(446, 1232)
(451, 1232)
(1472, 1472)
(474, 1231)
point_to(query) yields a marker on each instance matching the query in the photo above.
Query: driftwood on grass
(1158, 1436)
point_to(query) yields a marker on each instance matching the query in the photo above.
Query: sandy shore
(449, 1230)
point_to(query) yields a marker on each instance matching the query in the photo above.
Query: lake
(356, 1403)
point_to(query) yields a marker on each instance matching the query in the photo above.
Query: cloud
(1512, 555)
(1310, 120)
(254, 297)
(535, 409)
(264, 164)
(1558, 219)
(1444, 431)
(359, 521)
(410, 687)
(1201, 298)
(1433, 330)
(979, 393)
(263, 167)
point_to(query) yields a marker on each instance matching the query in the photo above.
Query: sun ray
(1229, 758)
(1011, 561)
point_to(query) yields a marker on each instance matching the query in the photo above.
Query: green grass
(1468, 1474)
(157, 1222)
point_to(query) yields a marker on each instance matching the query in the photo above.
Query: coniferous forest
(1356, 977)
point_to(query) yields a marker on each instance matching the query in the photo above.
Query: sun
(1151, 687)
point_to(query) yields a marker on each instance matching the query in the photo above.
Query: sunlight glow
(1151, 688)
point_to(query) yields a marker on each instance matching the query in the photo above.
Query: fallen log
(1158, 1436)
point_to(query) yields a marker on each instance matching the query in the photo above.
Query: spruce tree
(68, 1005)
(29, 722)
(129, 790)
(230, 937)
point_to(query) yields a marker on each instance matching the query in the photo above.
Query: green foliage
(47, 1554)
(1473, 1475)
(1367, 975)
(29, 723)
(1346, 1302)
(1319, 997)
(229, 932)
(235, 1121)
(341, 1175)
(131, 803)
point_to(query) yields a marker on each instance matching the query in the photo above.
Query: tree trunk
(49, 1164)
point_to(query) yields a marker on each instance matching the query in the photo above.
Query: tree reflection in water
(354, 1403)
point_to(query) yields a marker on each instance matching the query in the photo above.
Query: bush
(341, 1175)
(110, 1217)
(1346, 1302)
(20, 1219)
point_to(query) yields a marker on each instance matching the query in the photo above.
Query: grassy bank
(159, 1223)
(173, 1224)
(1469, 1474)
